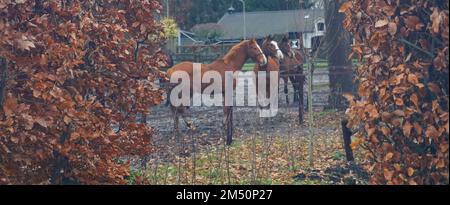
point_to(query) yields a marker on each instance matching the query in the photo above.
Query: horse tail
(169, 86)
(170, 62)
(168, 101)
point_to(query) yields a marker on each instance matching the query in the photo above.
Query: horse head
(271, 48)
(255, 52)
(285, 47)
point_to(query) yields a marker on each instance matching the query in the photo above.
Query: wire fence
(321, 91)
(201, 156)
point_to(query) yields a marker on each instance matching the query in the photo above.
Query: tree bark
(338, 47)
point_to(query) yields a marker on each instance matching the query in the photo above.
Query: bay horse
(292, 69)
(233, 61)
(274, 56)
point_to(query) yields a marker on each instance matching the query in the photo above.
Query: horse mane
(233, 52)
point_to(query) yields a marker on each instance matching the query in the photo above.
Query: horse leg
(286, 89)
(295, 84)
(189, 123)
(301, 90)
(176, 121)
(228, 124)
(230, 127)
(301, 100)
(268, 91)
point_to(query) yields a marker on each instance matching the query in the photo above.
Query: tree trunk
(347, 135)
(338, 47)
(3, 78)
(61, 164)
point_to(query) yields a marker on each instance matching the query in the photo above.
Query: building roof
(264, 23)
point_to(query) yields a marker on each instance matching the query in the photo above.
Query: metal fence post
(311, 116)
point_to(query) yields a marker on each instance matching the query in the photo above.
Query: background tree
(170, 27)
(209, 32)
(401, 111)
(189, 13)
(338, 48)
(170, 32)
(75, 74)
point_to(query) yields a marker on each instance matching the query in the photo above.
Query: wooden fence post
(347, 134)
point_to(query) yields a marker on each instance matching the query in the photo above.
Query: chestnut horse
(274, 56)
(233, 61)
(292, 69)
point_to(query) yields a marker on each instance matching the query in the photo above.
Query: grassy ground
(248, 67)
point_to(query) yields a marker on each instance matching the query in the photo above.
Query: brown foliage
(78, 73)
(401, 111)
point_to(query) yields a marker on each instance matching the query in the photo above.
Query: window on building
(321, 26)
(293, 35)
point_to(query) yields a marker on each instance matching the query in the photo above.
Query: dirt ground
(264, 151)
